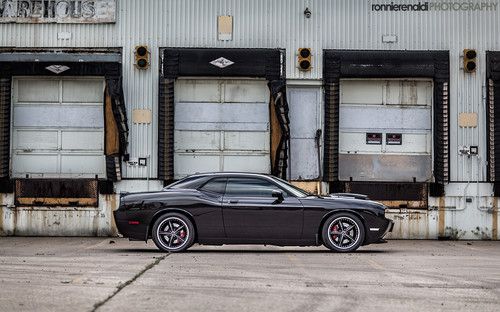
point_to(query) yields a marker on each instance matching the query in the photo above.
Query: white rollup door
(221, 125)
(58, 128)
(385, 130)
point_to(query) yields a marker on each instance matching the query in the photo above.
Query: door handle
(233, 201)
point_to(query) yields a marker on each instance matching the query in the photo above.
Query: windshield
(296, 191)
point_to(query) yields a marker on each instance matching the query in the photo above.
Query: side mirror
(278, 195)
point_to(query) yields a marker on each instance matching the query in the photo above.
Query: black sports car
(246, 208)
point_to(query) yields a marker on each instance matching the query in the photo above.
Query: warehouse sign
(58, 11)
(436, 6)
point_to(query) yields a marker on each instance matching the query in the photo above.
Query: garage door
(58, 128)
(385, 130)
(221, 125)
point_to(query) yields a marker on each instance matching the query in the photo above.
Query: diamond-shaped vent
(57, 69)
(222, 62)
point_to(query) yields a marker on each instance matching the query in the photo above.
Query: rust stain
(441, 217)
(52, 201)
(111, 128)
(14, 217)
(494, 217)
(275, 131)
(310, 186)
(423, 196)
(112, 207)
(405, 204)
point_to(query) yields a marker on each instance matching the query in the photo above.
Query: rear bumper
(128, 227)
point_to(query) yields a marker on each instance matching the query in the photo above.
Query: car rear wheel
(343, 232)
(173, 232)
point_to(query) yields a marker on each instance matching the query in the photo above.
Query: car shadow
(292, 251)
(249, 251)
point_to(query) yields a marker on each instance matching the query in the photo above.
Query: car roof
(229, 173)
(197, 178)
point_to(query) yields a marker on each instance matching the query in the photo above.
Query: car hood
(346, 201)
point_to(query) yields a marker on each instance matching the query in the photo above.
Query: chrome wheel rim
(343, 232)
(173, 233)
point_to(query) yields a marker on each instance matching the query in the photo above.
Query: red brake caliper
(182, 234)
(334, 228)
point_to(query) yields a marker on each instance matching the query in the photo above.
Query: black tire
(343, 232)
(173, 232)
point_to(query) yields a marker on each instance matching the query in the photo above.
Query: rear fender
(167, 210)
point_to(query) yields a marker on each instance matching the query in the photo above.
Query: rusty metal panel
(405, 168)
(413, 223)
(58, 11)
(60, 192)
(393, 195)
(58, 221)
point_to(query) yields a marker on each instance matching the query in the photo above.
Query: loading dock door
(221, 125)
(58, 128)
(385, 130)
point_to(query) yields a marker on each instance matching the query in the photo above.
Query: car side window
(217, 185)
(250, 187)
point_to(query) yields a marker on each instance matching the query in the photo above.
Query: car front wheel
(343, 232)
(173, 232)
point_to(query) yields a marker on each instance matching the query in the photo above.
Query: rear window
(188, 183)
(217, 185)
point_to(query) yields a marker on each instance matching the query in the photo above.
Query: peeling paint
(110, 208)
(412, 224)
(58, 221)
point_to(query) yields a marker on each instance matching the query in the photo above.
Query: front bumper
(389, 227)
(377, 229)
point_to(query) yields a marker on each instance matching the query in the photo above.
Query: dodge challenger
(247, 208)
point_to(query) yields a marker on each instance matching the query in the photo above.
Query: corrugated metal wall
(346, 24)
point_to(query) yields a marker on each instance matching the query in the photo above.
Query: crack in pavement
(130, 281)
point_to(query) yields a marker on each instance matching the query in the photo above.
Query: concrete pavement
(96, 274)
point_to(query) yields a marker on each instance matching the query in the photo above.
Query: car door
(210, 224)
(251, 213)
